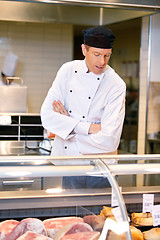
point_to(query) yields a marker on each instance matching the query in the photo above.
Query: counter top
(21, 148)
(19, 114)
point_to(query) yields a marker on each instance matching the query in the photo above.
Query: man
(85, 106)
(9, 69)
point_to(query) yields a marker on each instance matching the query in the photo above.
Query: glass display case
(45, 186)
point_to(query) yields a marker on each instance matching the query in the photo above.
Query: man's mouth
(99, 67)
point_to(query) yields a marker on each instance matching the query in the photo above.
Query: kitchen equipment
(13, 99)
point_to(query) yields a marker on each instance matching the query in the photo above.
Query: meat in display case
(87, 197)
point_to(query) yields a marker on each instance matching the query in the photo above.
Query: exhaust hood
(82, 12)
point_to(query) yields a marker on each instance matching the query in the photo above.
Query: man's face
(96, 58)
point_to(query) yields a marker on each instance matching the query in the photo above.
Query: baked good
(106, 212)
(142, 215)
(152, 234)
(142, 219)
(136, 235)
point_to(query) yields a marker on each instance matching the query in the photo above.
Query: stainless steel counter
(20, 148)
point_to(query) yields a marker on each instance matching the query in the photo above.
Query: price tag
(114, 202)
(148, 201)
(156, 215)
(5, 120)
(117, 214)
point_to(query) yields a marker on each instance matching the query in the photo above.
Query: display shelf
(22, 127)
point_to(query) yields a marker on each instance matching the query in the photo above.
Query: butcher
(85, 106)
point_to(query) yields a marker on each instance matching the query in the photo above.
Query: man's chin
(98, 70)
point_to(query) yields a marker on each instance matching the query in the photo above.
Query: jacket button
(89, 97)
(70, 111)
(75, 71)
(70, 90)
(83, 116)
(98, 78)
(65, 147)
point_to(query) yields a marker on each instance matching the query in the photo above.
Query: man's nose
(102, 60)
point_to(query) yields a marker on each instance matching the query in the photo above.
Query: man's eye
(97, 55)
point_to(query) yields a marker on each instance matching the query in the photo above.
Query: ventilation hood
(82, 12)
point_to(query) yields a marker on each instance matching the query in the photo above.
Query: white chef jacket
(88, 98)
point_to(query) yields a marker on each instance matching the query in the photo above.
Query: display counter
(20, 127)
(32, 185)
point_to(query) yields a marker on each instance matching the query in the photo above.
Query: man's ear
(83, 49)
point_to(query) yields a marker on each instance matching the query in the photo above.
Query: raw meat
(28, 224)
(72, 228)
(33, 236)
(96, 222)
(6, 227)
(82, 236)
(17, 231)
(52, 225)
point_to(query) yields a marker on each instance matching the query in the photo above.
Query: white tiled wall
(149, 121)
(42, 48)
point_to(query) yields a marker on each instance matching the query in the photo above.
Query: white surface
(5, 120)
(10, 65)
(155, 49)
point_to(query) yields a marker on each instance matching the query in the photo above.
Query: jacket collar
(84, 69)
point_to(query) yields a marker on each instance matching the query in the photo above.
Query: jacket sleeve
(106, 140)
(54, 122)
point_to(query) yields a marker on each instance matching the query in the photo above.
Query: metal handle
(17, 182)
(14, 78)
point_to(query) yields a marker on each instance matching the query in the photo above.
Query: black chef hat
(99, 37)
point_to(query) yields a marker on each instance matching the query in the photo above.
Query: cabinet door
(52, 182)
(15, 184)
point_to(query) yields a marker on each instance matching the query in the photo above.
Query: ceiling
(82, 12)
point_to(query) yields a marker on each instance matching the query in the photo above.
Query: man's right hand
(59, 108)
(94, 128)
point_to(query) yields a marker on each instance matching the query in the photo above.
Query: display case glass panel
(80, 186)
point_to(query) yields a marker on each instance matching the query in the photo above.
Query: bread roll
(106, 212)
(142, 219)
(152, 234)
(142, 215)
(136, 235)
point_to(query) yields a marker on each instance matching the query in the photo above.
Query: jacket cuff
(82, 128)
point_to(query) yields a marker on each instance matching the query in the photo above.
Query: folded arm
(107, 139)
(59, 108)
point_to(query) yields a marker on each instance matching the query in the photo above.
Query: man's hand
(59, 108)
(94, 128)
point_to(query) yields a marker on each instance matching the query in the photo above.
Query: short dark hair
(87, 47)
